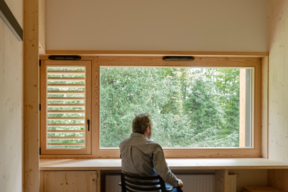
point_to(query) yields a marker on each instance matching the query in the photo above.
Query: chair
(131, 183)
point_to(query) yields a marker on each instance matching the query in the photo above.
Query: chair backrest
(131, 183)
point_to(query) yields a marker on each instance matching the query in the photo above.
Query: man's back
(143, 157)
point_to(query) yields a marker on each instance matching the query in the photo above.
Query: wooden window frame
(156, 61)
(43, 115)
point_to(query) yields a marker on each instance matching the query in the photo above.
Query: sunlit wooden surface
(176, 164)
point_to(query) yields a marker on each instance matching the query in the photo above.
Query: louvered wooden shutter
(65, 107)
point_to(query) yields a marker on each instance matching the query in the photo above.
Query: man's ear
(148, 129)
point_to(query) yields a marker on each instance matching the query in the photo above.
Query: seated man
(143, 157)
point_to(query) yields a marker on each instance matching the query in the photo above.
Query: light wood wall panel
(11, 104)
(278, 80)
(72, 181)
(31, 96)
(278, 178)
(248, 178)
(278, 86)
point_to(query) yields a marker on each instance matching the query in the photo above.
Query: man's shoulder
(124, 141)
(153, 144)
(147, 142)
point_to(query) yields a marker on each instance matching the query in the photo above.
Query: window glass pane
(189, 107)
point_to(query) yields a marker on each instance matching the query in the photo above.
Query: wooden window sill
(174, 164)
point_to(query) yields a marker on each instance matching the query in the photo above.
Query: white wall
(11, 104)
(176, 25)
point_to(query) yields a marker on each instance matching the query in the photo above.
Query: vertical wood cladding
(11, 103)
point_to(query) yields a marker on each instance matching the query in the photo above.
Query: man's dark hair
(140, 123)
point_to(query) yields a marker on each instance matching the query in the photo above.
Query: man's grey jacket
(143, 157)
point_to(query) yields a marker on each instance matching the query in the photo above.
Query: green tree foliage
(189, 107)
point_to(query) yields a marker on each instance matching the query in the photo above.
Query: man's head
(142, 124)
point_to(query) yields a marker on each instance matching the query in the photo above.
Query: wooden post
(41, 181)
(31, 97)
(42, 22)
(242, 116)
(98, 180)
(221, 180)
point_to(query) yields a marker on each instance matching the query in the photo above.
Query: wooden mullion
(96, 108)
(88, 103)
(43, 120)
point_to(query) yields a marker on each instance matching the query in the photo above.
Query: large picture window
(209, 107)
(189, 107)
